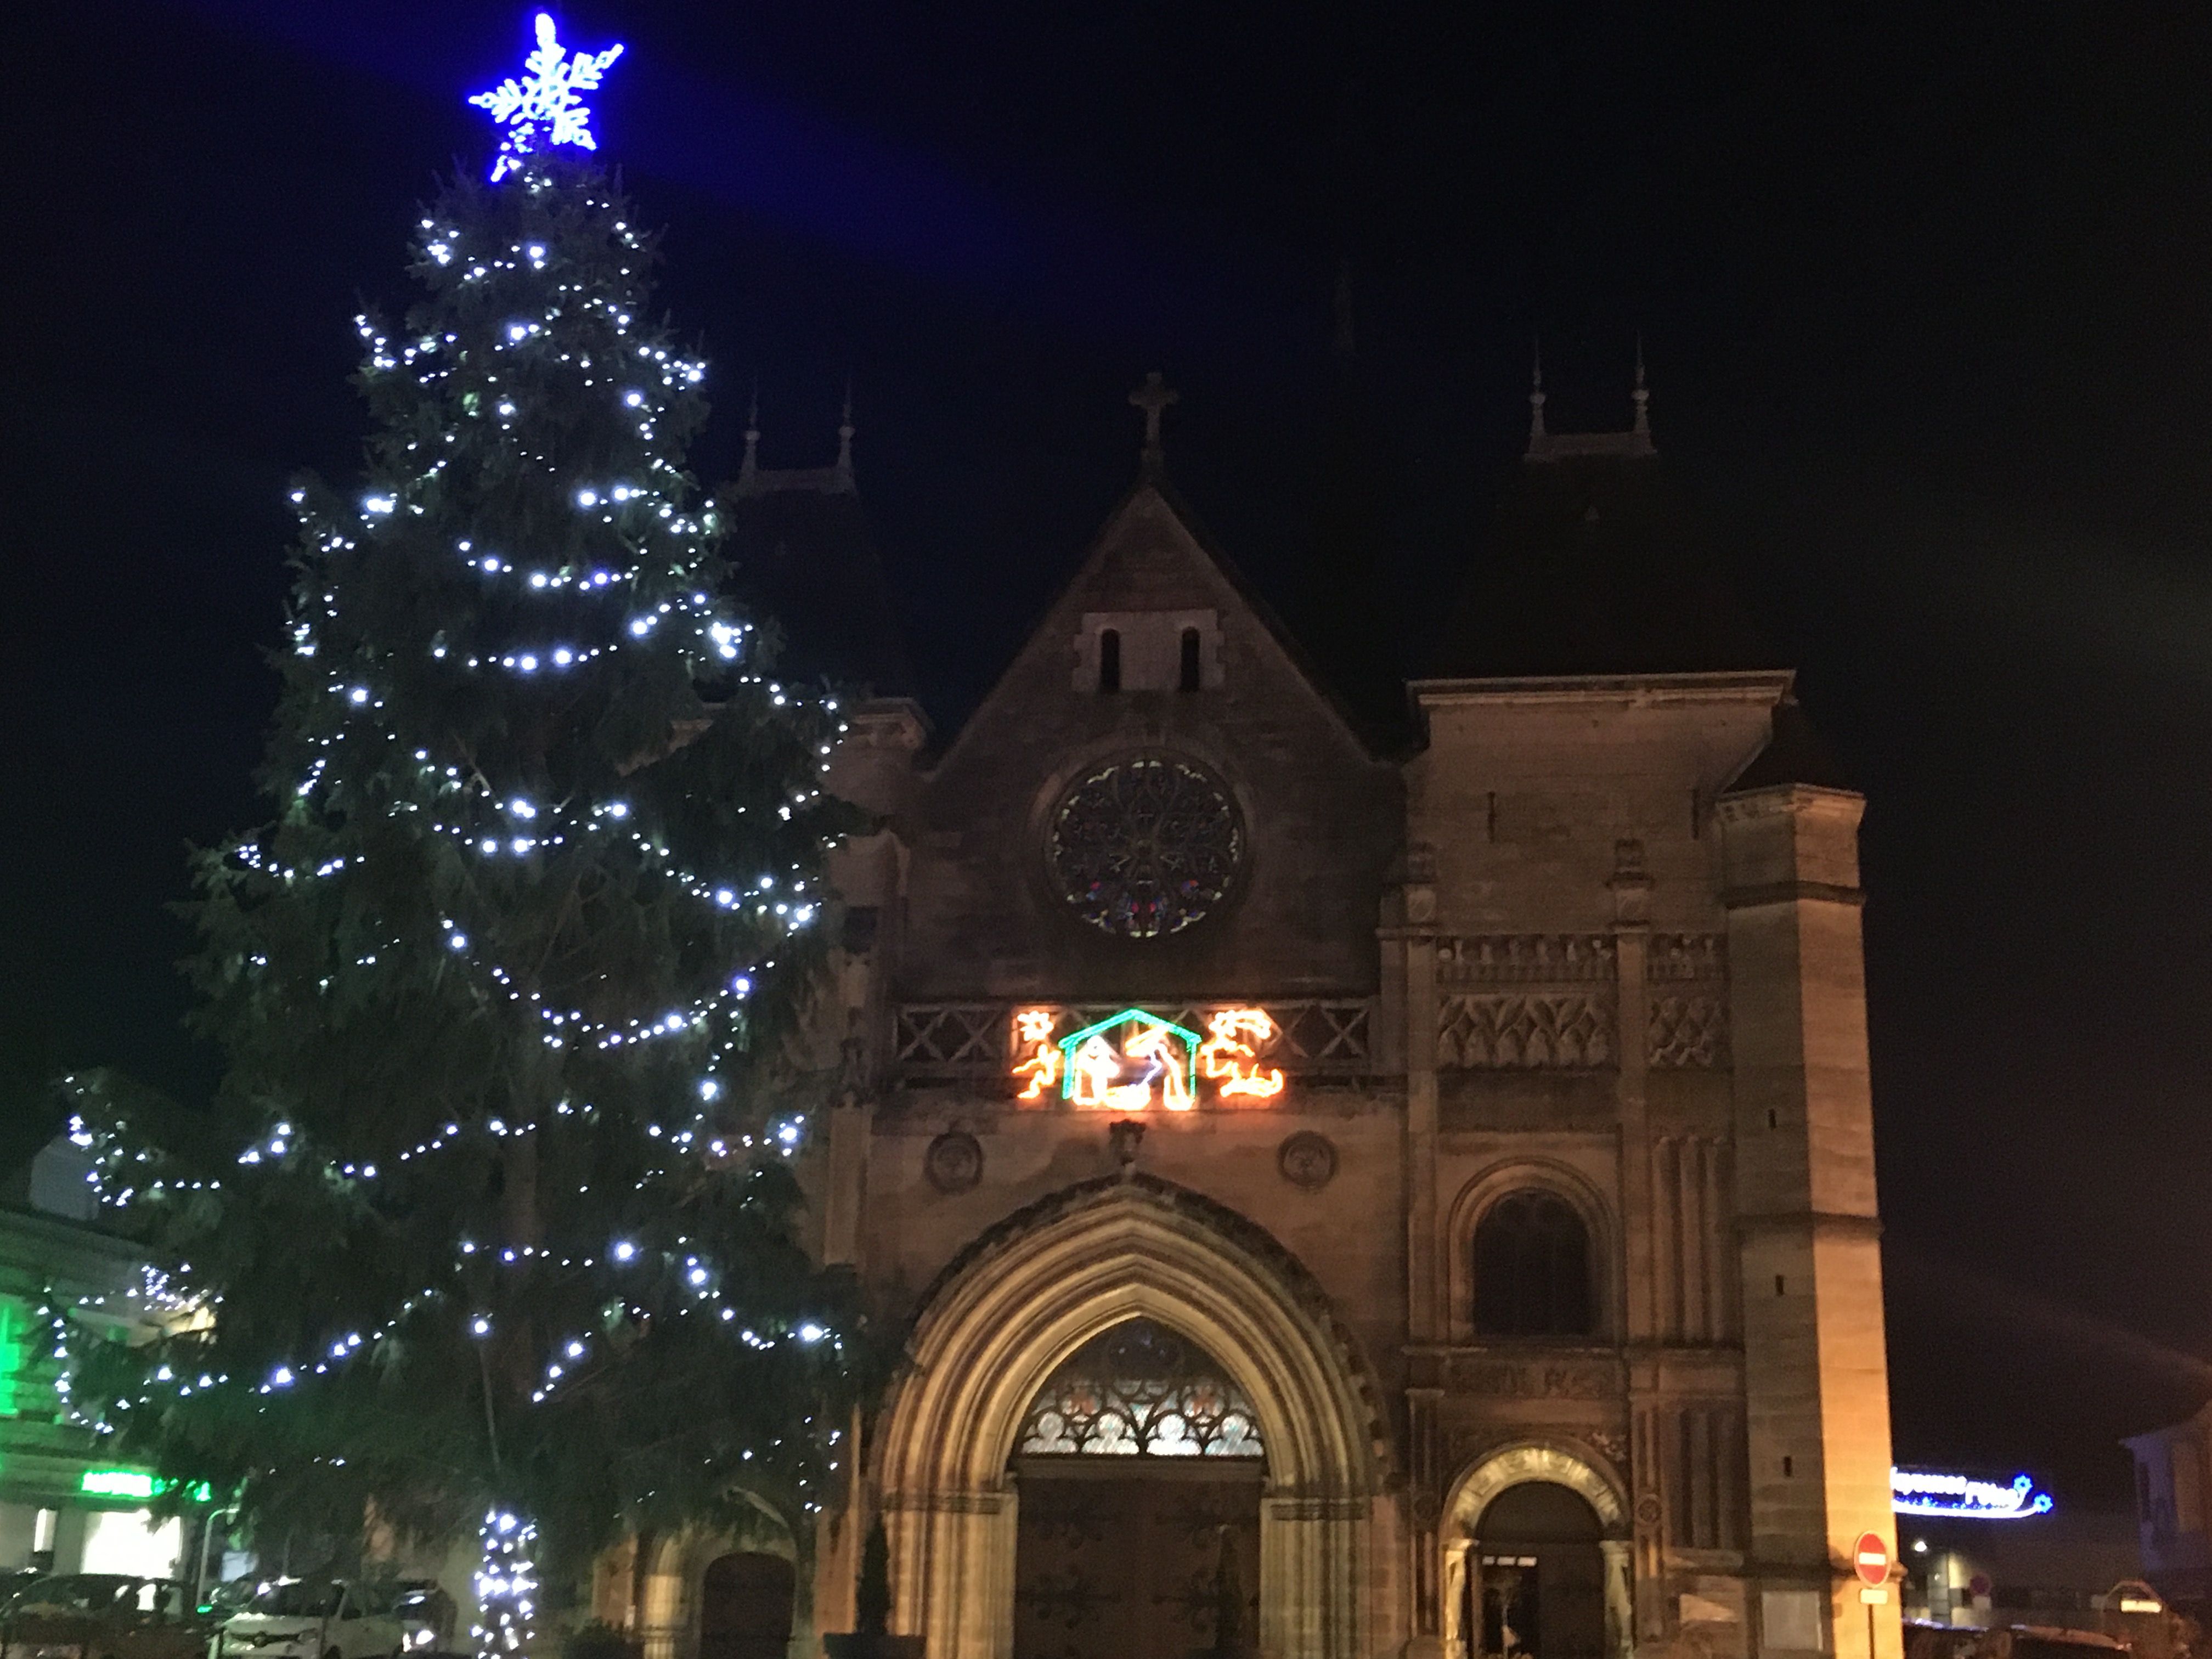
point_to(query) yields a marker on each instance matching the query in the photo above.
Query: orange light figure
(1230, 1055)
(1033, 1029)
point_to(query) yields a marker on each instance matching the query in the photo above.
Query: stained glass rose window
(1146, 846)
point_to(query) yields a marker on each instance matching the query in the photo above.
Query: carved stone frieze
(1613, 1446)
(1319, 1509)
(1525, 960)
(1515, 1031)
(1536, 1379)
(1687, 956)
(946, 1503)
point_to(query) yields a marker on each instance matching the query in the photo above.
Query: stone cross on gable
(1153, 397)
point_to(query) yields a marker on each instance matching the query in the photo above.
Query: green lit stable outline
(1069, 1043)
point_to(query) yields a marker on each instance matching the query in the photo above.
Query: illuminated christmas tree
(492, 1226)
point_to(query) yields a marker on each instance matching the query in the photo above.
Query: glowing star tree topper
(543, 109)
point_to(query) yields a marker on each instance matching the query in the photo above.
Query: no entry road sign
(1871, 1557)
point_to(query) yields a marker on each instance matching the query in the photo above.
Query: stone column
(1633, 1304)
(1619, 1599)
(1412, 942)
(1815, 1369)
(1316, 1550)
(1423, 1306)
(952, 1572)
(1632, 943)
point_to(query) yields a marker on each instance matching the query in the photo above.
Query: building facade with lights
(63, 1507)
(1355, 1199)
(2173, 1507)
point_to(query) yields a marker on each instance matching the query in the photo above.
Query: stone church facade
(1350, 1202)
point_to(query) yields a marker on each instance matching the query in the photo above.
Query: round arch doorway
(1141, 1466)
(1535, 1583)
(745, 1604)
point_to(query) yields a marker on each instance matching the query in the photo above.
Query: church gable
(1154, 800)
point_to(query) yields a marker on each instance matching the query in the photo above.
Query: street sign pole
(1870, 1559)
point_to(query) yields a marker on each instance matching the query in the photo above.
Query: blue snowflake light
(543, 109)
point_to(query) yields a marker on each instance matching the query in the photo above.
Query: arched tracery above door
(1140, 1390)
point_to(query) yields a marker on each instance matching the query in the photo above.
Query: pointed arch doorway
(1019, 1302)
(1140, 1467)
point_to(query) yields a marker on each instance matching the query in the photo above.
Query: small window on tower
(1190, 676)
(1109, 659)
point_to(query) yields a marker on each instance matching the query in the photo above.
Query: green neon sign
(116, 1483)
(136, 1483)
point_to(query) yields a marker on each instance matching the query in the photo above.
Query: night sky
(1926, 293)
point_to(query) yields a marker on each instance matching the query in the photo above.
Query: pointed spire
(1153, 397)
(1641, 396)
(749, 469)
(1536, 434)
(845, 439)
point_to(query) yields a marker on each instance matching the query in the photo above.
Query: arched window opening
(1140, 1390)
(1532, 1268)
(1191, 671)
(1109, 659)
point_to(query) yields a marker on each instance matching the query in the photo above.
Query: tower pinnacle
(845, 436)
(749, 468)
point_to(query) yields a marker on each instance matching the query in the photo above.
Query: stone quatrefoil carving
(1689, 1031)
(1545, 1002)
(1525, 1032)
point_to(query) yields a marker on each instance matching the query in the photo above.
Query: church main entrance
(1140, 1467)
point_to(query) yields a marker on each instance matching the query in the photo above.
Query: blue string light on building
(1963, 1497)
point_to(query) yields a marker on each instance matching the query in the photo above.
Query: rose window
(1146, 846)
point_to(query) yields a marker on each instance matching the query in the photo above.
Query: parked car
(311, 1618)
(17, 1582)
(103, 1615)
(426, 1614)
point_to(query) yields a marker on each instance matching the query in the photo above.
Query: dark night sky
(1926, 298)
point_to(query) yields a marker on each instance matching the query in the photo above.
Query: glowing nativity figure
(1156, 1046)
(1154, 1054)
(1041, 1065)
(1231, 1053)
(1092, 1073)
(543, 109)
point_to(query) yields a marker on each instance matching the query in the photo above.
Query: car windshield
(303, 1598)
